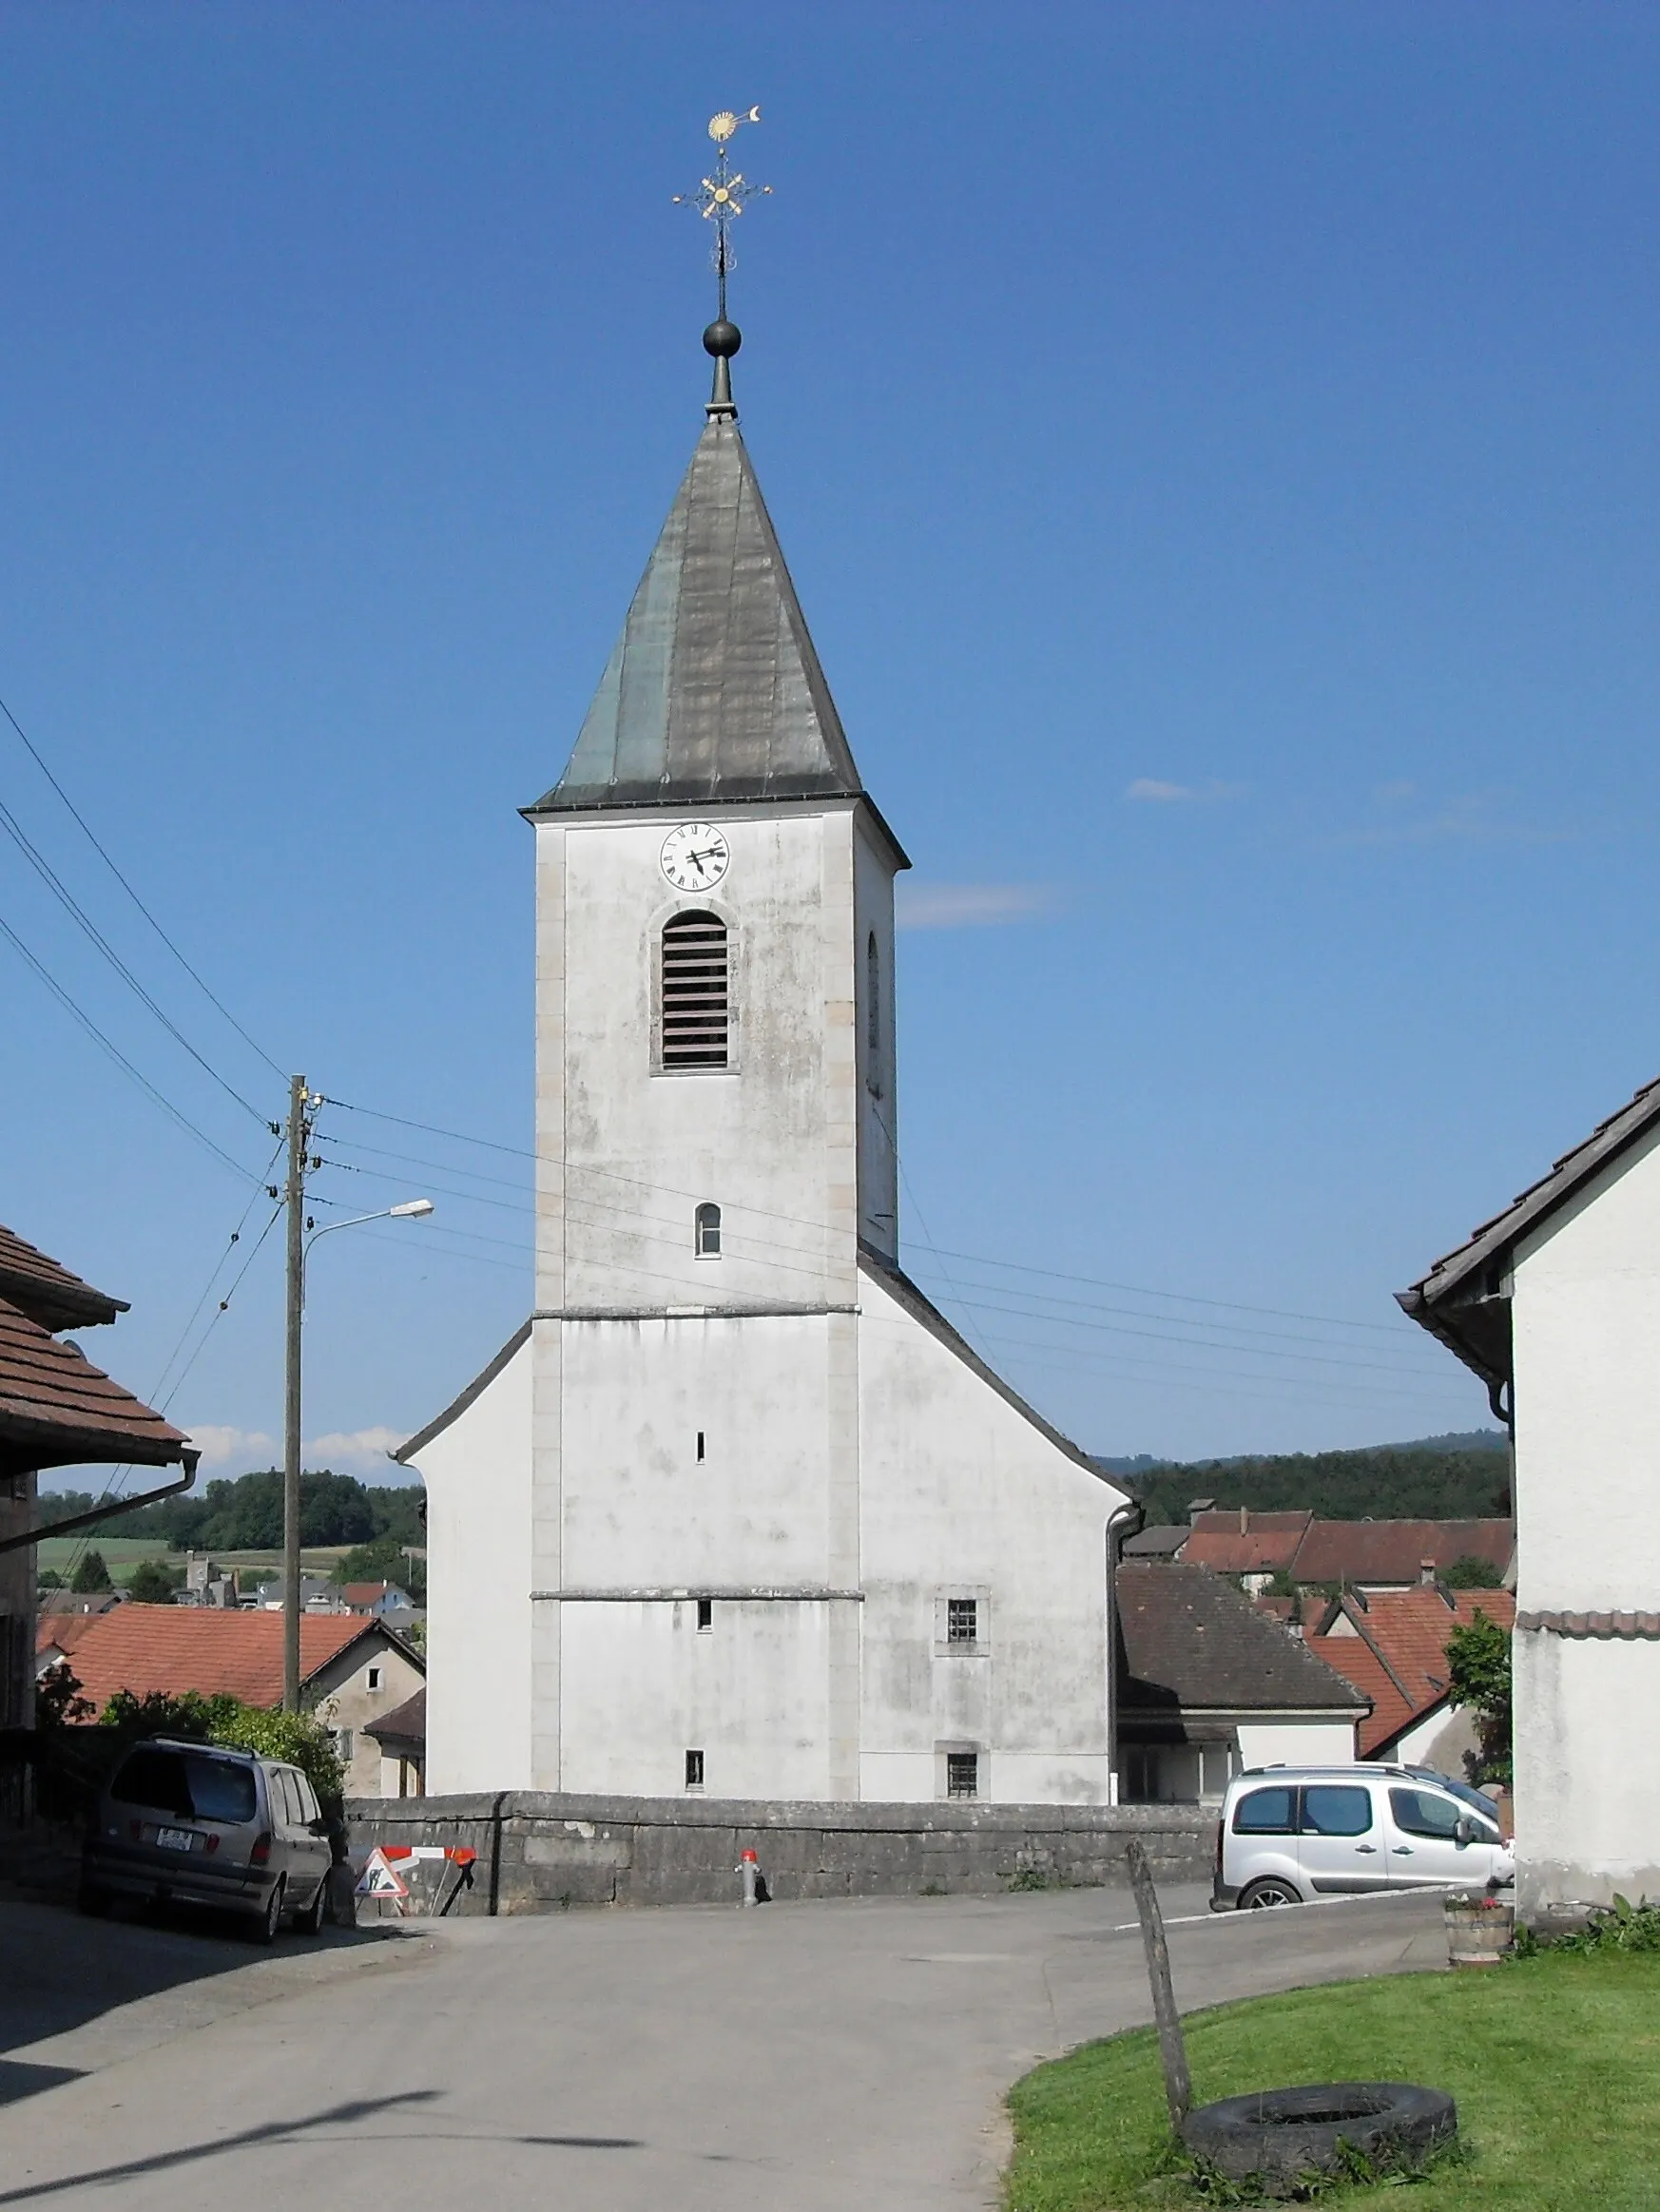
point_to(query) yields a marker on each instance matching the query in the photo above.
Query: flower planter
(1478, 1931)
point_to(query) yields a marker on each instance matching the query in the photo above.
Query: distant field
(120, 1552)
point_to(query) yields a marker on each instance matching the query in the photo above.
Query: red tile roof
(1399, 1657)
(364, 1595)
(58, 1409)
(44, 1288)
(1393, 1551)
(1238, 1540)
(174, 1648)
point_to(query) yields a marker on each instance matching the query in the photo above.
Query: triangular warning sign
(377, 1880)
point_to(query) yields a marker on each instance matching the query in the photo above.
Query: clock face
(694, 857)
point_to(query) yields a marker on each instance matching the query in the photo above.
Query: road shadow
(63, 1970)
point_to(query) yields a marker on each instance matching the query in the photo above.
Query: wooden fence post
(1172, 2050)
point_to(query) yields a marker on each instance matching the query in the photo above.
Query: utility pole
(294, 1197)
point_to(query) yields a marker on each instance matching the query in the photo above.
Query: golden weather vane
(719, 199)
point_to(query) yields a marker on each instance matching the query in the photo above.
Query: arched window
(695, 1016)
(873, 998)
(706, 1232)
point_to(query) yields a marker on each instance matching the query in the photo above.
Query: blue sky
(1216, 447)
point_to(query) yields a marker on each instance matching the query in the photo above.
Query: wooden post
(1172, 2050)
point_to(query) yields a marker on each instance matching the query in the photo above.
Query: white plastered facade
(785, 1443)
(1584, 1317)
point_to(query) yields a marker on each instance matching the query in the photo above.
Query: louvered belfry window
(696, 1020)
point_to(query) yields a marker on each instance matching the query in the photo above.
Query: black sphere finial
(723, 340)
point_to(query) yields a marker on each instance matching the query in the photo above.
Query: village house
(1392, 1644)
(1209, 1685)
(56, 1410)
(737, 1511)
(1297, 1548)
(353, 1671)
(1555, 1304)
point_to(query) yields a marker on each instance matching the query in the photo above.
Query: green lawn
(1555, 2062)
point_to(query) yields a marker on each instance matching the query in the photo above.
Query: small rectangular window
(962, 1774)
(694, 1770)
(700, 1447)
(706, 1614)
(962, 1621)
(374, 1678)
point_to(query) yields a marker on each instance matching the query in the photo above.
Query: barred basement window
(705, 1616)
(694, 1770)
(962, 1621)
(696, 1017)
(706, 1232)
(962, 1774)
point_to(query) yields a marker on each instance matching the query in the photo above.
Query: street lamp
(299, 1251)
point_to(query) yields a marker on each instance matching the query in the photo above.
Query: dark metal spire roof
(714, 692)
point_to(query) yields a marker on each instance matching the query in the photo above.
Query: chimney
(1196, 1507)
(1244, 1520)
(1426, 1574)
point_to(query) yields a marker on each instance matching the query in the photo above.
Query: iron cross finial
(719, 199)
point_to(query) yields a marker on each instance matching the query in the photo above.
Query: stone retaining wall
(538, 1852)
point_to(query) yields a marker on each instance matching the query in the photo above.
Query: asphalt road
(825, 2057)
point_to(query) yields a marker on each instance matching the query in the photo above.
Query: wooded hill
(1437, 1478)
(244, 1513)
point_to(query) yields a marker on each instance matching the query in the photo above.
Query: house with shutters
(1555, 1304)
(736, 1509)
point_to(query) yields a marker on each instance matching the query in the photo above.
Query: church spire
(713, 692)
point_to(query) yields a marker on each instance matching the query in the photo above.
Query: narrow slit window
(700, 1447)
(705, 1615)
(706, 1232)
(873, 999)
(962, 1621)
(696, 1013)
(962, 1774)
(694, 1770)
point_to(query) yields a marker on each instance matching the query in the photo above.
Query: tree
(48, 1579)
(91, 1575)
(1470, 1573)
(1478, 1664)
(149, 1584)
(58, 1703)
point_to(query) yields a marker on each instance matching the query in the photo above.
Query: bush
(299, 1739)
(150, 1584)
(1479, 1672)
(1621, 1926)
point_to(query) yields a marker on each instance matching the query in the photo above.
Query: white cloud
(221, 1445)
(360, 1445)
(1154, 788)
(967, 906)
(227, 1450)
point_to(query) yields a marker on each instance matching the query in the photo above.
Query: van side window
(1425, 1813)
(308, 1804)
(1272, 1812)
(288, 1809)
(1331, 1810)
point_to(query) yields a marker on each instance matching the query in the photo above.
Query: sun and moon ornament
(721, 199)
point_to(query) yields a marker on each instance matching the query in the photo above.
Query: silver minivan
(195, 1824)
(1292, 1833)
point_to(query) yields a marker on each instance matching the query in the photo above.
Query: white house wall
(476, 1473)
(1289, 1743)
(962, 1494)
(1586, 1324)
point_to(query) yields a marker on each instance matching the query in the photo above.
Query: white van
(1290, 1834)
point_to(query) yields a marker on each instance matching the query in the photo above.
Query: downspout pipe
(105, 1512)
(1125, 1522)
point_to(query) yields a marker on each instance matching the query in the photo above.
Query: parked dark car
(193, 1824)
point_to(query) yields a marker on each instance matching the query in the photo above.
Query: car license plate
(173, 1839)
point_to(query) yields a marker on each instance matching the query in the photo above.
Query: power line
(66, 898)
(120, 1058)
(87, 830)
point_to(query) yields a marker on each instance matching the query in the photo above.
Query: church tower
(737, 1512)
(715, 1134)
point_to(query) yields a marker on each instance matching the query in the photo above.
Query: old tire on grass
(1281, 2137)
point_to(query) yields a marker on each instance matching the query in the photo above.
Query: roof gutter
(105, 1512)
(1122, 1523)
